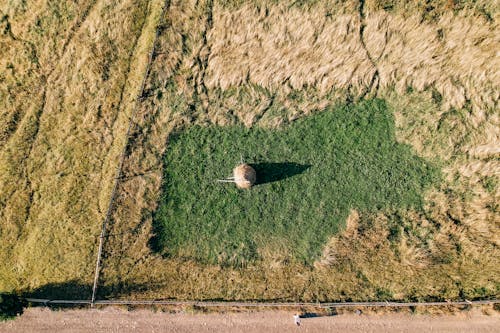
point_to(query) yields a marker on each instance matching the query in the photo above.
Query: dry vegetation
(69, 73)
(268, 64)
(262, 64)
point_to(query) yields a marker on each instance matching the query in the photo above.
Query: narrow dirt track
(118, 320)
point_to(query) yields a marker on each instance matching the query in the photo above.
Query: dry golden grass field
(69, 77)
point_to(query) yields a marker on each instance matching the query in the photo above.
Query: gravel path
(118, 320)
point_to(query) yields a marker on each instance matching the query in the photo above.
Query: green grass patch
(310, 174)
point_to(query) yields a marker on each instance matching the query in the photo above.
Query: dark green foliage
(10, 306)
(310, 174)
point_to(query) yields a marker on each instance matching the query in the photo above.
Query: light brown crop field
(69, 76)
(68, 87)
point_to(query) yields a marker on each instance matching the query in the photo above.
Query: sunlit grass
(311, 174)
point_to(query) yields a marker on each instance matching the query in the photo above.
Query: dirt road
(118, 320)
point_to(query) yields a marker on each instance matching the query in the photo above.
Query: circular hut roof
(244, 176)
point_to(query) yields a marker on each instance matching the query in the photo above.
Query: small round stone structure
(244, 176)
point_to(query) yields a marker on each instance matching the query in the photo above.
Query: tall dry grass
(277, 47)
(76, 73)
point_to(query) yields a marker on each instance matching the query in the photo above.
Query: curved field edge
(59, 157)
(448, 251)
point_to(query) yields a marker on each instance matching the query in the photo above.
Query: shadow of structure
(273, 172)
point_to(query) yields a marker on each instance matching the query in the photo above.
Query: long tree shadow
(273, 172)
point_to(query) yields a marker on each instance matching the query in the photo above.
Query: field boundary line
(119, 170)
(263, 304)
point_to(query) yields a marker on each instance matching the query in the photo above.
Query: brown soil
(119, 320)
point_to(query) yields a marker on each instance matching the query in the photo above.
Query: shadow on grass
(70, 290)
(75, 290)
(273, 172)
(324, 313)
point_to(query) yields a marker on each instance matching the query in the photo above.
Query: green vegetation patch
(310, 174)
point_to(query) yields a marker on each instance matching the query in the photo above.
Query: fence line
(122, 157)
(323, 305)
(102, 236)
